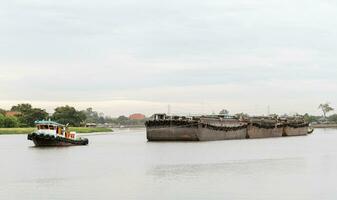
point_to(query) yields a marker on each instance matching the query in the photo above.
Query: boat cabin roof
(45, 122)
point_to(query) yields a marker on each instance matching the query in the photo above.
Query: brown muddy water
(123, 165)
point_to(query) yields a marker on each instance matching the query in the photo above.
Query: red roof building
(137, 116)
(12, 113)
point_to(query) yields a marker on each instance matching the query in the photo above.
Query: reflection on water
(123, 165)
(239, 168)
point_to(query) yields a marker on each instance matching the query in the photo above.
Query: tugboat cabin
(54, 129)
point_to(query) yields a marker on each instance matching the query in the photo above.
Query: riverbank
(8, 131)
(130, 126)
(324, 125)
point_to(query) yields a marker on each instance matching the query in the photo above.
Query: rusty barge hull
(219, 129)
(172, 134)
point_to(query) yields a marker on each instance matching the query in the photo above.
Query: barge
(49, 133)
(208, 128)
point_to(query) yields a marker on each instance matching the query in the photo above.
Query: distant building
(137, 116)
(93, 125)
(12, 114)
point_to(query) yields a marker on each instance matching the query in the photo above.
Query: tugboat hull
(47, 140)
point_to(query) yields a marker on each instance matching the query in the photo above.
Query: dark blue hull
(48, 140)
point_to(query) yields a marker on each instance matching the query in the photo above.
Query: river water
(123, 165)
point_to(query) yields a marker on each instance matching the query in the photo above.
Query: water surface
(123, 165)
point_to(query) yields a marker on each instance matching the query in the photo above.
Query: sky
(130, 56)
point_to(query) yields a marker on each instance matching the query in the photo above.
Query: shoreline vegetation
(24, 115)
(12, 131)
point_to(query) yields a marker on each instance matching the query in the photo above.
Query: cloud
(281, 96)
(240, 54)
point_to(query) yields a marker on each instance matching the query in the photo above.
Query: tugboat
(49, 133)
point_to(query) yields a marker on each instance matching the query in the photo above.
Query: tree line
(325, 108)
(25, 115)
(99, 118)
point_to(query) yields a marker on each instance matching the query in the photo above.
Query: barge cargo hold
(209, 128)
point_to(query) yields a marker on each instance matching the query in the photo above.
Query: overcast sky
(126, 56)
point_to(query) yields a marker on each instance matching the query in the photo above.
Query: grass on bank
(89, 130)
(8, 131)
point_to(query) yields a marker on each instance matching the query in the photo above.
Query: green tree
(2, 119)
(325, 107)
(22, 108)
(2, 111)
(311, 118)
(224, 112)
(122, 120)
(67, 114)
(28, 115)
(101, 118)
(91, 116)
(333, 118)
(242, 115)
(8, 122)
